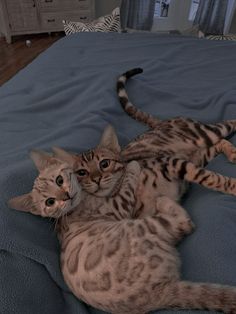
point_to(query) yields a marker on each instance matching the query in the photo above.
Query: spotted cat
(97, 172)
(178, 138)
(113, 262)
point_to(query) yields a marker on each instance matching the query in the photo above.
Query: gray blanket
(66, 97)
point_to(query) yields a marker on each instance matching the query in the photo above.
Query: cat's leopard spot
(112, 247)
(140, 299)
(150, 226)
(145, 246)
(140, 231)
(123, 267)
(73, 259)
(93, 258)
(102, 284)
(135, 273)
(155, 261)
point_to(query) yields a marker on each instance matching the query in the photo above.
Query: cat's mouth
(99, 191)
(74, 201)
(111, 190)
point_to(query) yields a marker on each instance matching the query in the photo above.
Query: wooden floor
(17, 55)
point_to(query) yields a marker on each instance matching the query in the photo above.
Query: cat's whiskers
(56, 223)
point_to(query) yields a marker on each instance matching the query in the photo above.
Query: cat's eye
(82, 172)
(104, 163)
(50, 201)
(59, 180)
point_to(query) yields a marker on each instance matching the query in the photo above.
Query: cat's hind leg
(223, 146)
(173, 217)
(188, 171)
(228, 149)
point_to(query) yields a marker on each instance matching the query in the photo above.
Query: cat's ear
(64, 156)
(42, 160)
(109, 140)
(23, 203)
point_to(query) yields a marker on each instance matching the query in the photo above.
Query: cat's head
(56, 190)
(99, 170)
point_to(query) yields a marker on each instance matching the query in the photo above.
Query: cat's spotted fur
(160, 176)
(110, 261)
(181, 145)
(178, 137)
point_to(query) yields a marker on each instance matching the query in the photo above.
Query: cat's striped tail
(199, 296)
(126, 104)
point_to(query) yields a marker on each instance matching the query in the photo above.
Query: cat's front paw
(232, 156)
(186, 227)
(134, 167)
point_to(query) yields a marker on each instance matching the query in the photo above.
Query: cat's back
(173, 136)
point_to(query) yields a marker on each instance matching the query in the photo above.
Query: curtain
(137, 14)
(210, 16)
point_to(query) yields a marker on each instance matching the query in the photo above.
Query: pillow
(222, 37)
(107, 23)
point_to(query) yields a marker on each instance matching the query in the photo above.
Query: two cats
(109, 259)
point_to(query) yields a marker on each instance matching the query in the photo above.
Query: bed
(65, 98)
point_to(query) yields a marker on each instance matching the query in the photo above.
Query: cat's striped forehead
(88, 156)
(43, 183)
(48, 177)
(96, 155)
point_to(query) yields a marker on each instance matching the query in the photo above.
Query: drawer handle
(48, 1)
(83, 18)
(51, 20)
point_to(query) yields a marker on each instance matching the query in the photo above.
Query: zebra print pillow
(107, 23)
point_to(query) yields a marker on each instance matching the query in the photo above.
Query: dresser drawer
(53, 21)
(22, 15)
(64, 4)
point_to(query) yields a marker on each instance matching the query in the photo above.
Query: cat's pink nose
(96, 180)
(67, 196)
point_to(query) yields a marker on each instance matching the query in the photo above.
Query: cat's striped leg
(173, 217)
(207, 154)
(188, 171)
(124, 199)
(228, 149)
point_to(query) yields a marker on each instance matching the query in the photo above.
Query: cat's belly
(110, 262)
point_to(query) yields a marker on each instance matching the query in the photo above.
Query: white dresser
(18, 17)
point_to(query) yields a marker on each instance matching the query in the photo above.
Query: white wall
(105, 6)
(177, 18)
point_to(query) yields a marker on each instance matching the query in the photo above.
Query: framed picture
(162, 8)
(171, 15)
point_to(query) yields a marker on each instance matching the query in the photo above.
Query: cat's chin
(74, 202)
(102, 193)
(68, 210)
